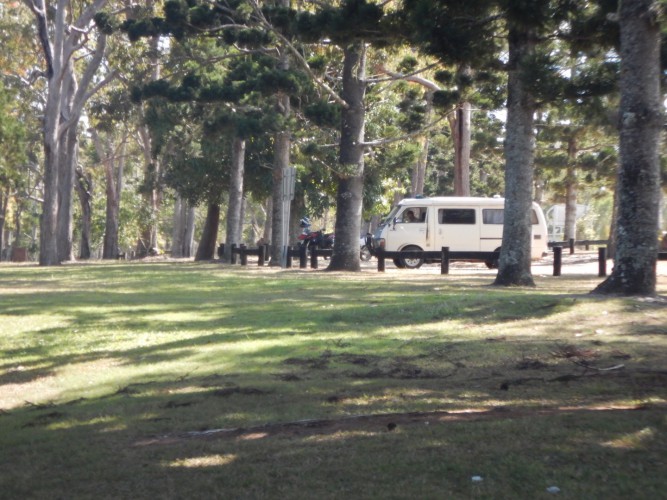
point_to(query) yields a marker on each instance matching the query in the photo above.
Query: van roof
(452, 200)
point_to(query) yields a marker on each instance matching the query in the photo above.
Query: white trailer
(464, 224)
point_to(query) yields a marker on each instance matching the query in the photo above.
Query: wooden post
(558, 259)
(260, 256)
(288, 260)
(313, 258)
(602, 261)
(380, 257)
(244, 255)
(303, 257)
(221, 251)
(232, 256)
(571, 246)
(444, 263)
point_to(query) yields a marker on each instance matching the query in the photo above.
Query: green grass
(110, 372)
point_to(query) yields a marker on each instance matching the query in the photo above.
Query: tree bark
(515, 254)
(178, 231)
(571, 190)
(4, 198)
(67, 167)
(351, 177)
(234, 223)
(84, 188)
(461, 137)
(638, 186)
(209, 237)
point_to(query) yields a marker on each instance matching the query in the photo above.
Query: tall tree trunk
(639, 177)
(67, 166)
(515, 254)
(114, 164)
(268, 223)
(4, 199)
(461, 137)
(84, 188)
(571, 190)
(349, 197)
(234, 205)
(209, 237)
(152, 195)
(178, 232)
(419, 171)
(183, 232)
(188, 240)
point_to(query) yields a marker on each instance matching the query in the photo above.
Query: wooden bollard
(244, 255)
(260, 256)
(602, 261)
(288, 258)
(313, 258)
(380, 257)
(444, 263)
(558, 260)
(303, 257)
(571, 246)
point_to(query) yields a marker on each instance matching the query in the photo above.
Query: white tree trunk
(234, 226)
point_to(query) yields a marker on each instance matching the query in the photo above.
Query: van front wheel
(411, 261)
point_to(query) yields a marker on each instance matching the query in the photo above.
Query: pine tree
(641, 119)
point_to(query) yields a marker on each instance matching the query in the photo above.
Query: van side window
(493, 215)
(533, 217)
(497, 216)
(456, 216)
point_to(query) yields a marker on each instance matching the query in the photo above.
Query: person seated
(409, 216)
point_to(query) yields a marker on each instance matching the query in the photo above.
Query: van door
(457, 228)
(409, 228)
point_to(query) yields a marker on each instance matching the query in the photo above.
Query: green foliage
(353, 20)
(13, 137)
(453, 31)
(323, 114)
(445, 99)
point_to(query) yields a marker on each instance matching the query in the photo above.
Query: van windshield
(390, 218)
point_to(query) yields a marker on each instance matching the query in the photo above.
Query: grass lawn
(185, 380)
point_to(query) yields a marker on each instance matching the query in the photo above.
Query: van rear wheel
(492, 264)
(411, 261)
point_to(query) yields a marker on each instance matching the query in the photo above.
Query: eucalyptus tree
(64, 31)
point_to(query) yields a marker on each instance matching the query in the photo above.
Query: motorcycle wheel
(365, 254)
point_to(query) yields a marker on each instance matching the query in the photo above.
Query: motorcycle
(315, 239)
(365, 251)
(322, 240)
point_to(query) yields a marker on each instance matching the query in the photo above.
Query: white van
(464, 224)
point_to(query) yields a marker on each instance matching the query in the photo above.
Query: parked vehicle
(315, 239)
(365, 253)
(464, 224)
